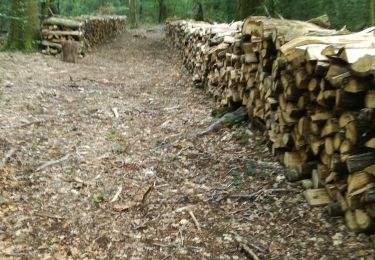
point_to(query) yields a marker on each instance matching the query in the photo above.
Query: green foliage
(97, 198)
(242, 137)
(20, 18)
(24, 25)
(236, 178)
(111, 136)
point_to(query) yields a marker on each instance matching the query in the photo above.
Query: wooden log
(62, 33)
(64, 22)
(370, 99)
(358, 180)
(358, 162)
(364, 221)
(317, 197)
(351, 222)
(334, 210)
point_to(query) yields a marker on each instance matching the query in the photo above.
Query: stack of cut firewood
(88, 31)
(207, 51)
(314, 91)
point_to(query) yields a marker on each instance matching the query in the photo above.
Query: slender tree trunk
(32, 25)
(141, 11)
(132, 14)
(15, 37)
(162, 11)
(198, 10)
(371, 12)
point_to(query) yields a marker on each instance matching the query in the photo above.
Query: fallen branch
(53, 162)
(226, 120)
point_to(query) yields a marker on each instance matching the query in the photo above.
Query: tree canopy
(21, 17)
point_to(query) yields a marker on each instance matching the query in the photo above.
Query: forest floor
(100, 161)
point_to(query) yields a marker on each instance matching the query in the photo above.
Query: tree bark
(371, 12)
(198, 10)
(132, 13)
(162, 11)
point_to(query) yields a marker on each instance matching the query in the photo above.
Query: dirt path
(103, 165)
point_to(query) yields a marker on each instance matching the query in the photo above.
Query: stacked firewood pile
(87, 31)
(314, 91)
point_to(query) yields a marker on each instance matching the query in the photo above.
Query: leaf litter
(100, 160)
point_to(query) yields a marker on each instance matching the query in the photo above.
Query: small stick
(170, 255)
(180, 230)
(115, 112)
(245, 247)
(52, 162)
(47, 215)
(195, 220)
(119, 190)
(248, 251)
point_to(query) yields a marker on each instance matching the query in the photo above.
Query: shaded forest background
(19, 17)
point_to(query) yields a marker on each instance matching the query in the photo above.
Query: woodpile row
(87, 31)
(313, 90)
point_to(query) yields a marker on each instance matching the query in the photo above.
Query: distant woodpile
(314, 91)
(87, 31)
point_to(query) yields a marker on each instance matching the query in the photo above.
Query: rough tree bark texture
(32, 25)
(25, 25)
(162, 10)
(132, 13)
(198, 10)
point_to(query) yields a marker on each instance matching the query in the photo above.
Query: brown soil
(129, 187)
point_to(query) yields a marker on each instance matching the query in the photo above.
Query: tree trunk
(24, 27)
(132, 14)
(141, 11)
(198, 10)
(371, 12)
(32, 25)
(15, 38)
(162, 11)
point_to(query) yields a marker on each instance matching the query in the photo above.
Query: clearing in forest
(100, 160)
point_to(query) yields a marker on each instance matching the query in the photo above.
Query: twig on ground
(47, 215)
(180, 230)
(146, 195)
(248, 251)
(115, 112)
(119, 190)
(53, 162)
(195, 220)
(170, 255)
(244, 245)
